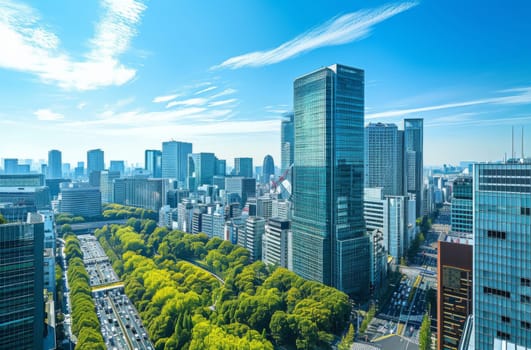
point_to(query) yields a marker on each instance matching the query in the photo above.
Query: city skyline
(125, 77)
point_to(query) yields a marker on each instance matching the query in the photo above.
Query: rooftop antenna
(523, 142)
(512, 143)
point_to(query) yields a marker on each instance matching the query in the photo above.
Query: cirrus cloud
(339, 30)
(29, 46)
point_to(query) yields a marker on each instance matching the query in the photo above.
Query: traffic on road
(121, 326)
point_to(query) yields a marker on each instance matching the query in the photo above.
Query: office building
(454, 291)
(174, 197)
(66, 171)
(141, 192)
(330, 244)
(77, 199)
(268, 169)
(219, 182)
(22, 180)
(394, 217)
(221, 167)
(251, 237)
(175, 160)
(95, 178)
(281, 208)
(264, 207)
(275, 242)
(502, 255)
(383, 158)
(11, 166)
(26, 196)
(378, 261)
(107, 178)
(243, 167)
(413, 161)
(79, 170)
(201, 170)
(168, 217)
(16, 212)
(55, 165)
(95, 161)
(184, 215)
(117, 166)
(48, 220)
(21, 285)
(287, 142)
(153, 162)
(239, 189)
(461, 211)
(54, 186)
(234, 228)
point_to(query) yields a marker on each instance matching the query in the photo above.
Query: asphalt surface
(121, 326)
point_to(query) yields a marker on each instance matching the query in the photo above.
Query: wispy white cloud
(226, 92)
(29, 46)
(222, 102)
(339, 30)
(210, 88)
(47, 115)
(81, 105)
(518, 96)
(188, 102)
(165, 98)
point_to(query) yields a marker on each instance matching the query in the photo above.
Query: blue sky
(125, 75)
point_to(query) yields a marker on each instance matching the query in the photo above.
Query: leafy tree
(425, 333)
(348, 339)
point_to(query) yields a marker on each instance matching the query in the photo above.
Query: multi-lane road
(121, 326)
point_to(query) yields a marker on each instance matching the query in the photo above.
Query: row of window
(499, 292)
(502, 188)
(507, 336)
(496, 234)
(505, 172)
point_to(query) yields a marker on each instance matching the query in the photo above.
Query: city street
(121, 326)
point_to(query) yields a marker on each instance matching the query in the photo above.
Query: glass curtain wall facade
(461, 212)
(174, 160)
(55, 164)
(95, 161)
(383, 158)
(287, 142)
(502, 255)
(413, 160)
(329, 240)
(21, 286)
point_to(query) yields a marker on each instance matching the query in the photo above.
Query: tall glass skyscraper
(201, 169)
(175, 160)
(329, 240)
(55, 164)
(287, 140)
(461, 212)
(383, 158)
(21, 285)
(243, 167)
(268, 168)
(153, 162)
(95, 161)
(413, 160)
(502, 256)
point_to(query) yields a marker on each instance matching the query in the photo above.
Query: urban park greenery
(193, 292)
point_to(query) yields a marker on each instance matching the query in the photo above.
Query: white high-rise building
(275, 242)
